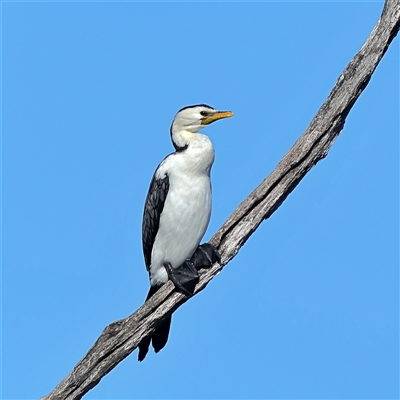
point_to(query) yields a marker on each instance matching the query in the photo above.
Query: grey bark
(120, 338)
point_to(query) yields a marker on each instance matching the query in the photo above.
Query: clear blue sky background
(308, 308)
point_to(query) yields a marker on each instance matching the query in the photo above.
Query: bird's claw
(184, 277)
(205, 256)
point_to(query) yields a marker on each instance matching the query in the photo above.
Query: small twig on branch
(120, 338)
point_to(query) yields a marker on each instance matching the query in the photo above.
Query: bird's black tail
(160, 336)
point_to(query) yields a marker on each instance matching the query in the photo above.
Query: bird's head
(189, 120)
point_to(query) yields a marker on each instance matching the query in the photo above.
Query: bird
(177, 211)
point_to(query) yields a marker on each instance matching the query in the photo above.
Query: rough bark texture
(120, 338)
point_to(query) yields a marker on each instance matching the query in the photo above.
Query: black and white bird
(177, 211)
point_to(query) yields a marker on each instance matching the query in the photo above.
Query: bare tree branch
(120, 338)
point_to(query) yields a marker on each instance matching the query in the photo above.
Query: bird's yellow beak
(215, 117)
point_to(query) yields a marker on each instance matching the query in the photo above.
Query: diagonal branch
(120, 338)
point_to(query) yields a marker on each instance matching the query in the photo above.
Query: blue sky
(309, 307)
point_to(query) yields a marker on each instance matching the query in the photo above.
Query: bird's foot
(205, 256)
(184, 277)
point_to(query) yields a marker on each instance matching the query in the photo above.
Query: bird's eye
(204, 113)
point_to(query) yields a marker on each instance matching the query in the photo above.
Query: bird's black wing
(151, 216)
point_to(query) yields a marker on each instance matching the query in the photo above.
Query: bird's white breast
(187, 208)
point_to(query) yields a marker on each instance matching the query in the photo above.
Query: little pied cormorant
(177, 212)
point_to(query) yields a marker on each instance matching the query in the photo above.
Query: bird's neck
(198, 155)
(181, 138)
